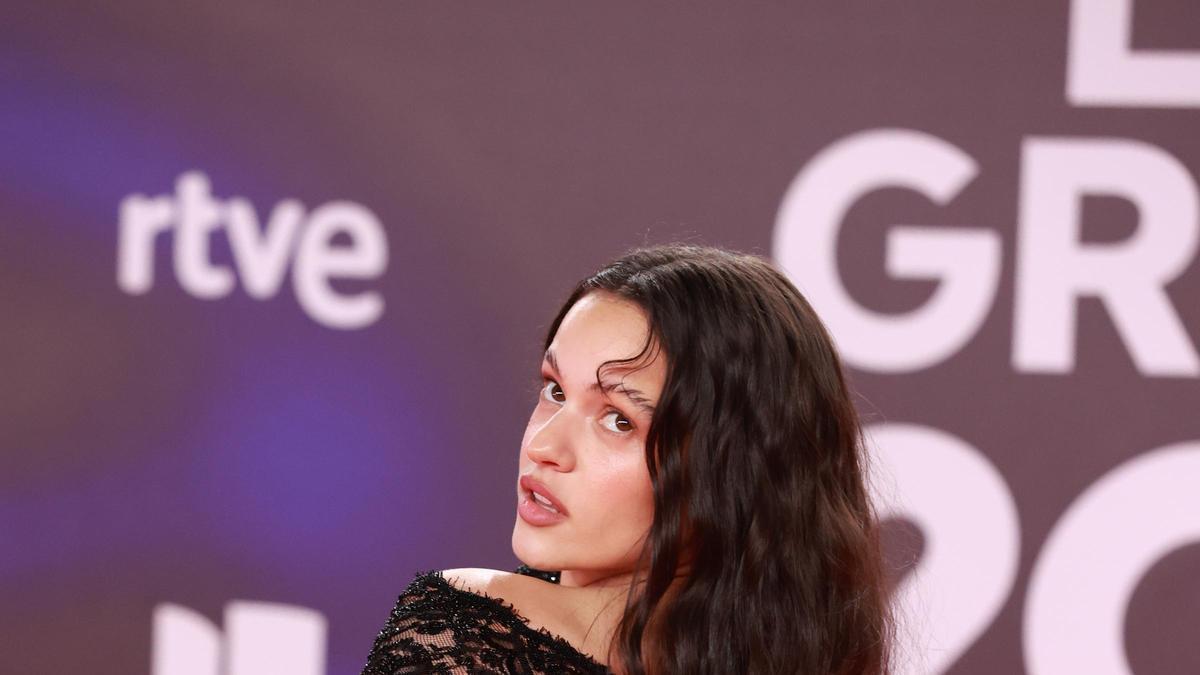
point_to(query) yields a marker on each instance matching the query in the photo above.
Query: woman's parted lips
(530, 484)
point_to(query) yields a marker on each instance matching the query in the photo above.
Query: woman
(690, 496)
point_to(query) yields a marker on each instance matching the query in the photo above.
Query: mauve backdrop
(172, 440)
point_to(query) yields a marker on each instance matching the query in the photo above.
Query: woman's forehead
(599, 328)
(602, 321)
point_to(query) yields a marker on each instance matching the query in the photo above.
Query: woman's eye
(621, 424)
(613, 420)
(551, 390)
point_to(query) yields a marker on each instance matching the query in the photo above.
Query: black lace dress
(437, 627)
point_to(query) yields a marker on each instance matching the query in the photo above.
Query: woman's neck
(600, 598)
(613, 579)
(598, 579)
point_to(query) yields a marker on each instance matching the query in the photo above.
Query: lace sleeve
(436, 627)
(418, 637)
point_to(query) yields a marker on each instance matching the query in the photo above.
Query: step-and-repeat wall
(273, 280)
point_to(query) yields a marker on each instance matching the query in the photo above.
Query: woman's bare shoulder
(522, 591)
(474, 578)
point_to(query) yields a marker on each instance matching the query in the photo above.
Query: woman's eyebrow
(635, 396)
(552, 359)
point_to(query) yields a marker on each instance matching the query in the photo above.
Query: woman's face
(586, 445)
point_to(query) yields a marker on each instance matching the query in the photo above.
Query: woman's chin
(535, 554)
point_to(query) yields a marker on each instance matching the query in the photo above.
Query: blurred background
(274, 277)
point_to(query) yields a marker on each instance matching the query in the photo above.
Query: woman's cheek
(627, 485)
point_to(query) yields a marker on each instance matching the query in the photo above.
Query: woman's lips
(531, 484)
(535, 514)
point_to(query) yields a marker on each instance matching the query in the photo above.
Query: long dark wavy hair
(758, 467)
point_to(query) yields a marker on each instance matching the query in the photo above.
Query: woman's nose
(551, 442)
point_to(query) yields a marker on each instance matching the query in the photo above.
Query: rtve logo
(260, 255)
